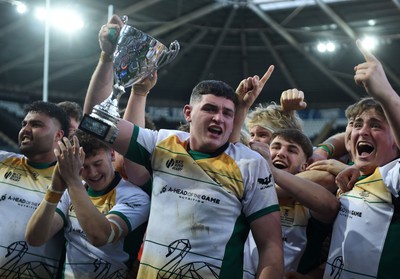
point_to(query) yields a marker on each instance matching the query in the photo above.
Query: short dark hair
(89, 143)
(215, 87)
(72, 109)
(52, 111)
(295, 136)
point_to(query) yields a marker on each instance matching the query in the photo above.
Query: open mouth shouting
(25, 139)
(279, 164)
(216, 130)
(364, 149)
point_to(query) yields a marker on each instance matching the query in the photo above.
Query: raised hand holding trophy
(137, 56)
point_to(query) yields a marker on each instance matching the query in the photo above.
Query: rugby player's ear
(187, 110)
(303, 166)
(59, 135)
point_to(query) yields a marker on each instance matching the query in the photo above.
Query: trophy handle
(169, 54)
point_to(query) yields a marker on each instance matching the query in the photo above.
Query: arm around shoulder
(322, 203)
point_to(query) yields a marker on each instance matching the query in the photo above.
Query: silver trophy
(137, 56)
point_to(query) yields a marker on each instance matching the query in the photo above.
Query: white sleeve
(390, 175)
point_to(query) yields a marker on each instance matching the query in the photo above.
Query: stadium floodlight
(62, 18)
(321, 47)
(326, 47)
(330, 46)
(40, 14)
(66, 19)
(21, 7)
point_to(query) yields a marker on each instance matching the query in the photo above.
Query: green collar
(196, 155)
(112, 185)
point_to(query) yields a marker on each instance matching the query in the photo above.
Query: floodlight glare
(371, 22)
(21, 7)
(40, 14)
(321, 47)
(330, 47)
(369, 43)
(66, 20)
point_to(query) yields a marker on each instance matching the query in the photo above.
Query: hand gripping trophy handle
(137, 56)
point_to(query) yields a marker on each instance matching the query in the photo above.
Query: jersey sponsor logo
(345, 212)
(133, 205)
(14, 176)
(188, 195)
(265, 182)
(174, 164)
(76, 230)
(19, 201)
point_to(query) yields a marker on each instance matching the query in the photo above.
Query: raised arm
(135, 113)
(100, 86)
(135, 109)
(371, 75)
(44, 222)
(247, 91)
(292, 100)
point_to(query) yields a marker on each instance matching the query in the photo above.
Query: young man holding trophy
(207, 193)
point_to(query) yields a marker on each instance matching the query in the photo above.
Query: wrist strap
(328, 147)
(104, 57)
(144, 94)
(52, 198)
(140, 94)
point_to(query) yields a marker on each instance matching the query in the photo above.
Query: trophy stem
(110, 105)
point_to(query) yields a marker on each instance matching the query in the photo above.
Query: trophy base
(104, 128)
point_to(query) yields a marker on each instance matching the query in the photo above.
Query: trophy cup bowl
(137, 56)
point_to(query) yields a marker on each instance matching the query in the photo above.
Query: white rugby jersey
(83, 260)
(22, 188)
(201, 205)
(365, 240)
(294, 220)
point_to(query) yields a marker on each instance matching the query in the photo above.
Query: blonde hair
(244, 137)
(273, 118)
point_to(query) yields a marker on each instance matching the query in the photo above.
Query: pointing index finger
(267, 74)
